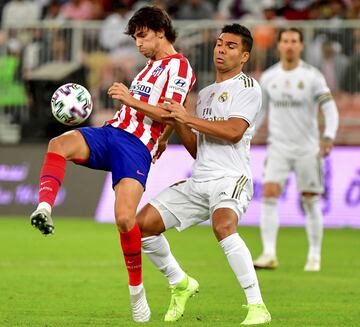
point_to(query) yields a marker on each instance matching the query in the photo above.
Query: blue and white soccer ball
(71, 104)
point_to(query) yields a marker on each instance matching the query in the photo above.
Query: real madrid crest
(223, 97)
(301, 85)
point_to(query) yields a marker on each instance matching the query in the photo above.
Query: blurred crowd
(27, 10)
(108, 54)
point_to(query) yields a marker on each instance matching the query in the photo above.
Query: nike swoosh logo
(140, 173)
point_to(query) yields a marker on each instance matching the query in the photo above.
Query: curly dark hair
(243, 32)
(153, 18)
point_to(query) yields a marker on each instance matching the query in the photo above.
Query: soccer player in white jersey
(292, 92)
(221, 186)
(126, 144)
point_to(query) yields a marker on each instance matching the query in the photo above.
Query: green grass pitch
(77, 278)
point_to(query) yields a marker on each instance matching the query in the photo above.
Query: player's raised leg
(314, 230)
(130, 240)
(157, 248)
(68, 146)
(224, 223)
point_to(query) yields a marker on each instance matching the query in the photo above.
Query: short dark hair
(291, 29)
(243, 32)
(153, 18)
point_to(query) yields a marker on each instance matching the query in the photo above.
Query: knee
(223, 230)
(56, 145)
(271, 190)
(149, 221)
(155, 244)
(311, 204)
(124, 223)
(309, 197)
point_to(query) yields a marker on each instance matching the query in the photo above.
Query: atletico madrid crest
(157, 71)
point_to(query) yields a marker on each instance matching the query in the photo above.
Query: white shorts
(189, 203)
(308, 171)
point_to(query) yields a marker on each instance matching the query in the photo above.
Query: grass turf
(77, 278)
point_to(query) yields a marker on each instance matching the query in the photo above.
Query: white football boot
(266, 261)
(313, 264)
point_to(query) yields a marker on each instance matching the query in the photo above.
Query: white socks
(314, 225)
(44, 205)
(241, 263)
(269, 225)
(135, 289)
(158, 251)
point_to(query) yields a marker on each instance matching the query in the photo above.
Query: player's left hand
(176, 111)
(120, 92)
(326, 145)
(161, 149)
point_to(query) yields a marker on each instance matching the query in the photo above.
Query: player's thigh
(181, 206)
(232, 193)
(309, 174)
(128, 192)
(71, 145)
(276, 171)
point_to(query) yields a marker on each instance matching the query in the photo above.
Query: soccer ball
(71, 104)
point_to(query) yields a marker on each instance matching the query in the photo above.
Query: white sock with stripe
(269, 225)
(241, 263)
(158, 251)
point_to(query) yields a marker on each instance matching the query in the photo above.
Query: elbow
(235, 138)
(193, 153)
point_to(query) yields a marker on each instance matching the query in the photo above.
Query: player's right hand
(326, 145)
(175, 109)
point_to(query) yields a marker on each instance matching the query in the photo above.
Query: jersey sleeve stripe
(183, 70)
(193, 80)
(321, 99)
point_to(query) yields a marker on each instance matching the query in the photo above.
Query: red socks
(52, 175)
(131, 246)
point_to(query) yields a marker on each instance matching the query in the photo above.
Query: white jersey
(292, 98)
(238, 97)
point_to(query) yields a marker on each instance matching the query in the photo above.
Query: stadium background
(45, 43)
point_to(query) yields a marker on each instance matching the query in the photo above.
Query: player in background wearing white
(126, 144)
(292, 92)
(221, 186)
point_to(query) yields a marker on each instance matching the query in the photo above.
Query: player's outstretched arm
(230, 130)
(120, 92)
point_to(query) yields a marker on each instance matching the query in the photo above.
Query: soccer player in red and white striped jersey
(172, 77)
(127, 144)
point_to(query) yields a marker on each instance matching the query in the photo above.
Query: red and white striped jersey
(170, 77)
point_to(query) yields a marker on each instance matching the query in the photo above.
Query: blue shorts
(113, 149)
